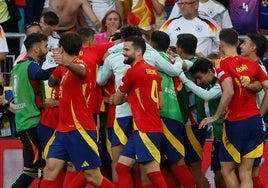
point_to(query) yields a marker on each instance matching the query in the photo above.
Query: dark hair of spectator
(50, 18)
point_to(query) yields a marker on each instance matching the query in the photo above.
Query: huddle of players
(149, 116)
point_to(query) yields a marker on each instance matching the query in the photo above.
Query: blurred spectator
(225, 3)
(9, 25)
(3, 44)
(67, 11)
(245, 15)
(29, 29)
(201, 26)
(264, 17)
(169, 5)
(109, 25)
(33, 11)
(21, 6)
(147, 15)
(101, 7)
(211, 8)
(48, 22)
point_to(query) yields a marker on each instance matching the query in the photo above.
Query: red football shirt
(94, 55)
(74, 96)
(50, 115)
(243, 104)
(142, 82)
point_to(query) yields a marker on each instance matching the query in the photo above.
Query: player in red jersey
(142, 84)
(243, 135)
(92, 55)
(76, 135)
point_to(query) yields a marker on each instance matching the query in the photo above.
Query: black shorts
(32, 152)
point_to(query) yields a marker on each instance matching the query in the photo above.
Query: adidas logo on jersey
(178, 29)
(85, 164)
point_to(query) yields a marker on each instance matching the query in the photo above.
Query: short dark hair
(50, 18)
(201, 65)
(229, 36)
(187, 42)
(33, 39)
(261, 43)
(161, 40)
(137, 42)
(71, 42)
(85, 33)
(130, 30)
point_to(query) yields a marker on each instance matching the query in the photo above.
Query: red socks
(53, 184)
(184, 176)
(169, 178)
(69, 176)
(124, 176)
(137, 178)
(106, 183)
(257, 183)
(157, 179)
(78, 181)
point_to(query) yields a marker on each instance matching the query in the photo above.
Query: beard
(42, 58)
(129, 60)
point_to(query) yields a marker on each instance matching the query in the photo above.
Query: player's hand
(206, 121)
(245, 81)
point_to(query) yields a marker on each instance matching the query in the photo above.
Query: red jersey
(108, 90)
(243, 104)
(50, 115)
(74, 96)
(142, 83)
(94, 55)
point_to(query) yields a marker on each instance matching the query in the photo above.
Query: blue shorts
(243, 138)
(121, 131)
(143, 147)
(173, 148)
(46, 136)
(215, 160)
(80, 149)
(194, 140)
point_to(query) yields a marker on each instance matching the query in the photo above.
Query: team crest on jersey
(210, 12)
(199, 28)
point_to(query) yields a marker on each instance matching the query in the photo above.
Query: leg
(152, 169)
(123, 170)
(183, 174)
(245, 172)
(229, 175)
(218, 178)
(94, 177)
(53, 168)
(116, 150)
(31, 156)
(51, 172)
(199, 176)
